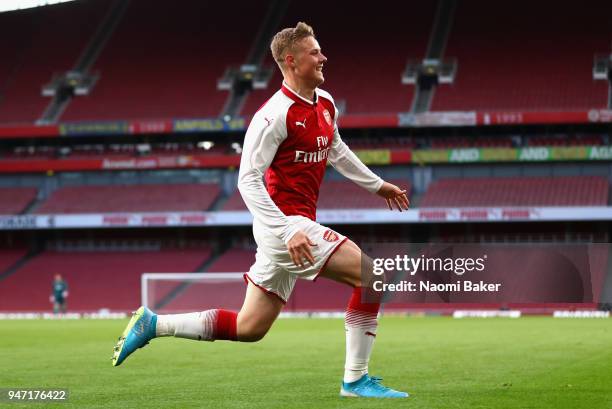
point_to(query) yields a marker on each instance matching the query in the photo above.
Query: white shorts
(274, 270)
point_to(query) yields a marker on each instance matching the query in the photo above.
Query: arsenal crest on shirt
(327, 117)
(330, 236)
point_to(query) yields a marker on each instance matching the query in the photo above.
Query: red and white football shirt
(289, 141)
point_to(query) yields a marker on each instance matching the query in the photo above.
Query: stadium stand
(15, 200)
(518, 191)
(546, 65)
(29, 152)
(77, 151)
(234, 202)
(526, 57)
(43, 42)
(130, 198)
(566, 140)
(348, 195)
(233, 260)
(465, 142)
(321, 295)
(228, 294)
(520, 232)
(368, 53)
(113, 150)
(8, 257)
(171, 59)
(96, 279)
(385, 142)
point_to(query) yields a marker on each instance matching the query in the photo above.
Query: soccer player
(289, 142)
(59, 294)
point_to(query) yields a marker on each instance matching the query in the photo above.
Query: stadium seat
(345, 194)
(518, 191)
(164, 62)
(96, 280)
(16, 200)
(8, 257)
(525, 57)
(43, 42)
(131, 198)
(234, 260)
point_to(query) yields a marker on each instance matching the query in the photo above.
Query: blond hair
(285, 40)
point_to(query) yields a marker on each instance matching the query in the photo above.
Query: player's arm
(349, 165)
(261, 142)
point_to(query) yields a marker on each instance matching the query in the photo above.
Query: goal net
(186, 292)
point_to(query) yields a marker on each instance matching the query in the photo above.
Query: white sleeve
(261, 142)
(349, 165)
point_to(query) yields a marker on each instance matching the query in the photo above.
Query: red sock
(225, 326)
(360, 314)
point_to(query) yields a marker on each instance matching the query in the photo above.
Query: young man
(289, 141)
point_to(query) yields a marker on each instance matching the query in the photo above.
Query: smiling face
(306, 61)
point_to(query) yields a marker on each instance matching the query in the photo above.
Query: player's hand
(394, 196)
(299, 249)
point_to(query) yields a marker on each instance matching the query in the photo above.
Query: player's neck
(301, 89)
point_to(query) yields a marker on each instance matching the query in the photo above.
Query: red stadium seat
(96, 279)
(348, 195)
(234, 203)
(9, 257)
(518, 191)
(526, 56)
(234, 260)
(43, 42)
(16, 200)
(164, 62)
(131, 198)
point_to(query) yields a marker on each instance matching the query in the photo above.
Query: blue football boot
(139, 331)
(369, 387)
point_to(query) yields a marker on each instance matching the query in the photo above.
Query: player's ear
(289, 60)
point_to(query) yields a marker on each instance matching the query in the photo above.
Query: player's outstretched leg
(361, 323)
(208, 325)
(257, 315)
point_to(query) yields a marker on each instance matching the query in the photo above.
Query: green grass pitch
(444, 363)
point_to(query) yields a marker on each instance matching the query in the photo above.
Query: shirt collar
(297, 97)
